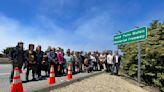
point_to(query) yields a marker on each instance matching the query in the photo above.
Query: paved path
(30, 86)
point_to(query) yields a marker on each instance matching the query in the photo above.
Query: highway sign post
(136, 35)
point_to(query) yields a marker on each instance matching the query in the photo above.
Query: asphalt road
(32, 85)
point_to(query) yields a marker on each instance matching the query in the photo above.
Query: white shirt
(116, 59)
(102, 58)
(93, 58)
(110, 59)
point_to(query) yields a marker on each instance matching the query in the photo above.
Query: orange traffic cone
(51, 79)
(69, 75)
(17, 83)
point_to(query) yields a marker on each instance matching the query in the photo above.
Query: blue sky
(75, 24)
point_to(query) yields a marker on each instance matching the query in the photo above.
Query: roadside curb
(66, 83)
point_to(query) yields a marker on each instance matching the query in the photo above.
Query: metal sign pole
(139, 63)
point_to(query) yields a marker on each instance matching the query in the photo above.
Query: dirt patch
(4, 61)
(143, 85)
(102, 83)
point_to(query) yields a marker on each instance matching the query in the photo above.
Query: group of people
(37, 60)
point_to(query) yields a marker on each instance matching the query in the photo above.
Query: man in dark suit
(17, 58)
(116, 61)
(39, 59)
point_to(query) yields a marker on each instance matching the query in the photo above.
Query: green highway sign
(135, 35)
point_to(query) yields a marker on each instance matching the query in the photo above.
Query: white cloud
(97, 32)
(12, 31)
(89, 33)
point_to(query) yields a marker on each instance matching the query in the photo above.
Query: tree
(7, 51)
(152, 62)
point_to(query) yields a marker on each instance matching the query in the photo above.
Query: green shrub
(152, 56)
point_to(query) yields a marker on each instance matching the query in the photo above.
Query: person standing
(68, 59)
(45, 63)
(94, 61)
(86, 61)
(109, 61)
(97, 60)
(31, 62)
(39, 59)
(78, 61)
(117, 61)
(82, 57)
(73, 62)
(60, 59)
(52, 58)
(17, 58)
(102, 59)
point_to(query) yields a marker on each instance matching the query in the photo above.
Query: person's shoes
(39, 78)
(57, 75)
(34, 79)
(27, 80)
(47, 75)
(11, 81)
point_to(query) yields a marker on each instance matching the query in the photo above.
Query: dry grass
(4, 61)
(102, 83)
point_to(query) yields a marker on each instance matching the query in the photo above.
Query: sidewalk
(62, 82)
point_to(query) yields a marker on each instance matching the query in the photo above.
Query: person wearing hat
(17, 58)
(31, 62)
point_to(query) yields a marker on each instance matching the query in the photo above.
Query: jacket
(60, 57)
(116, 59)
(52, 57)
(30, 57)
(39, 57)
(17, 56)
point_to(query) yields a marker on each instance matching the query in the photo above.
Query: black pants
(55, 68)
(39, 69)
(117, 68)
(79, 65)
(95, 68)
(32, 67)
(61, 71)
(12, 72)
(73, 67)
(109, 67)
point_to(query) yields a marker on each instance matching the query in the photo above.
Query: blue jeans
(115, 68)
